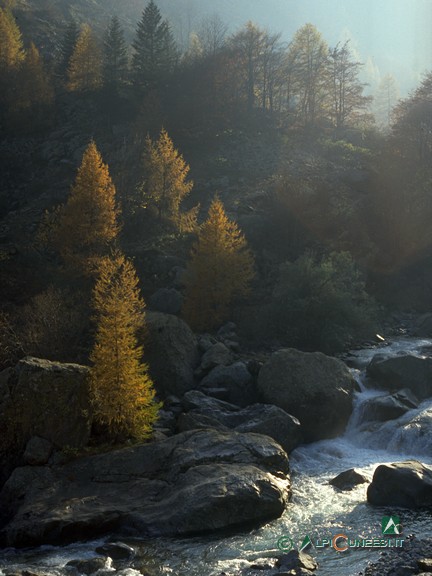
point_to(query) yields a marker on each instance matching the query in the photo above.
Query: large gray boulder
(196, 481)
(46, 399)
(235, 380)
(171, 351)
(267, 419)
(166, 300)
(315, 388)
(389, 406)
(403, 484)
(406, 371)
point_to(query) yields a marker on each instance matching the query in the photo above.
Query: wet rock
(348, 479)
(389, 407)
(172, 353)
(197, 481)
(235, 378)
(116, 550)
(422, 327)
(406, 371)
(258, 418)
(167, 301)
(404, 484)
(295, 559)
(38, 451)
(315, 388)
(89, 566)
(425, 564)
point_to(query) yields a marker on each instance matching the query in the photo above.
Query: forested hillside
(328, 204)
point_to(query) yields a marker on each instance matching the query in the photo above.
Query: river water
(316, 508)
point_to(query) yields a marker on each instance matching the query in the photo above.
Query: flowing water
(316, 509)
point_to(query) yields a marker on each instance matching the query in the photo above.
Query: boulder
(166, 300)
(405, 371)
(217, 355)
(38, 451)
(315, 388)
(171, 351)
(47, 399)
(389, 406)
(197, 481)
(235, 378)
(116, 550)
(294, 560)
(403, 484)
(89, 566)
(258, 418)
(348, 479)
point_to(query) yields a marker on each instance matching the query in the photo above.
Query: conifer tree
(11, 45)
(85, 68)
(35, 88)
(166, 186)
(115, 56)
(220, 270)
(67, 48)
(155, 49)
(121, 388)
(88, 223)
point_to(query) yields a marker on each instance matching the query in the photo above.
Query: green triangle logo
(306, 543)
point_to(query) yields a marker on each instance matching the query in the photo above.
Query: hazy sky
(394, 36)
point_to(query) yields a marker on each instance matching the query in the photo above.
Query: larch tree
(85, 67)
(309, 58)
(36, 92)
(88, 222)
(346, 99)
(11, 45)
(166, 184)
(121, 389)
(115, 65)
(220, 270)
(155, 52)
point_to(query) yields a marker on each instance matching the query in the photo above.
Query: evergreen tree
(115, 56)
(88, 223)
(67, 48)
(121, 388)
(85, 69)
(154, 46)
(166, 186)
(220, 270)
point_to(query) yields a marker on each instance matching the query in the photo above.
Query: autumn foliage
(121, 388)
(220, 270)
(166, 184)
(88, 223)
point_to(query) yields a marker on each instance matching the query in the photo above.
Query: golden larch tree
(88, 222)
(220, 270)
(166, 184)
(121, 389)
(35, 88)
(85, 65)
(11, 45)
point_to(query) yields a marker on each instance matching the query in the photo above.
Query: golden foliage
(35, 88)
(85, 65)
(166, 186)
(11, 45)
(121, 388)
(88, 223)
(220, 270)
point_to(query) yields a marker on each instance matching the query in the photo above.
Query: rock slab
(193, 482)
